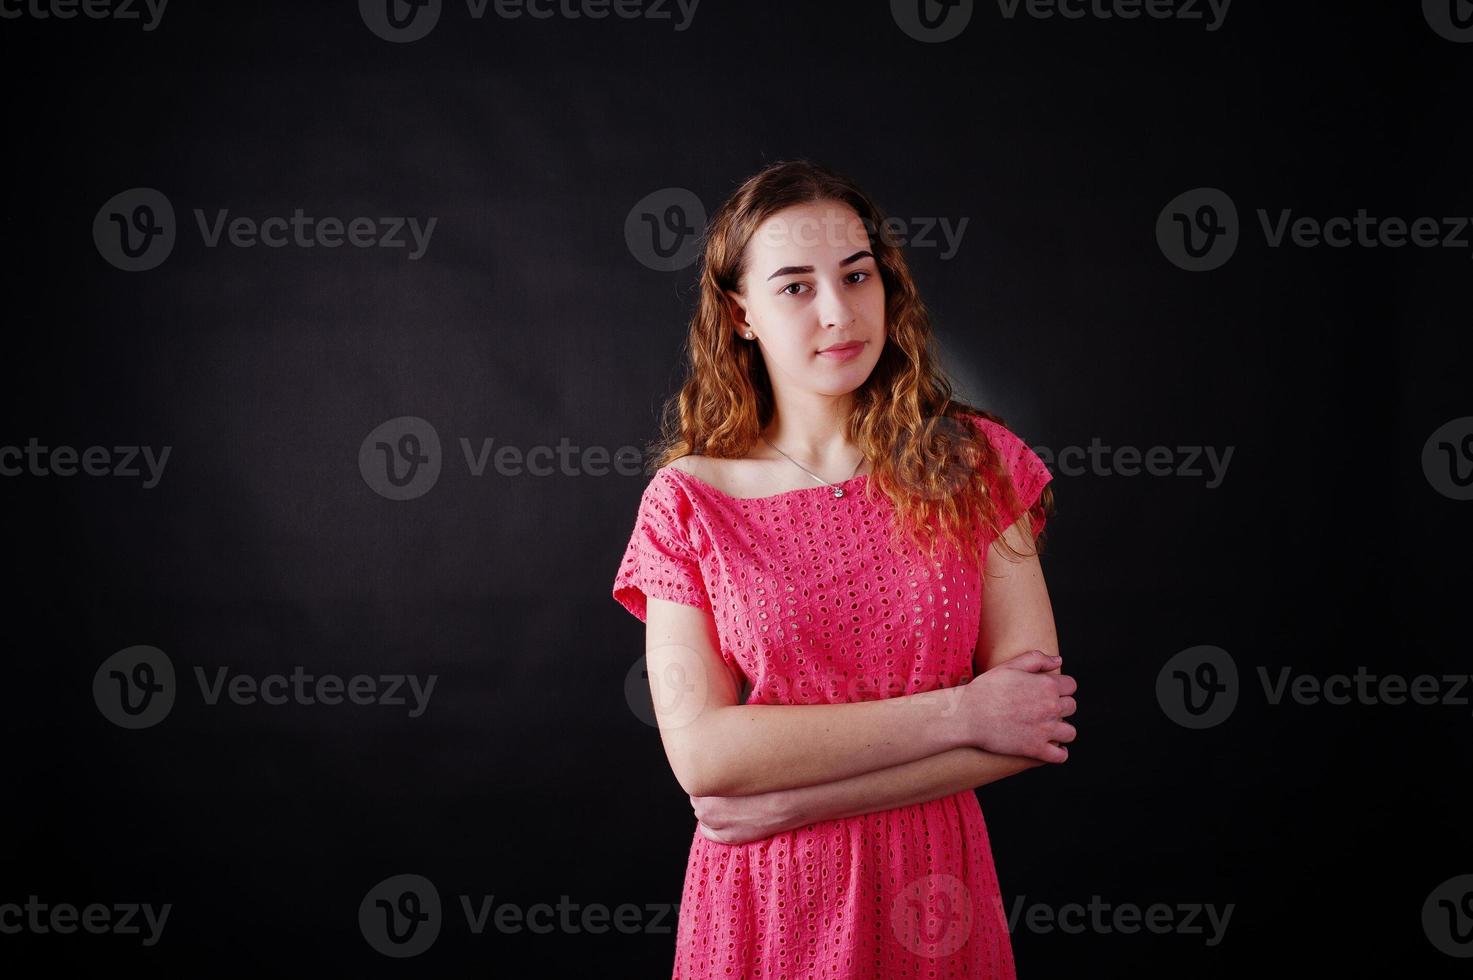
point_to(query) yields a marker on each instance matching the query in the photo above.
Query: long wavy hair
(934, 465)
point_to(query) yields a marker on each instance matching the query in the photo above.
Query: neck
(812, 432)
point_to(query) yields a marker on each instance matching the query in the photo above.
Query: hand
(743, 819)
(1017, 708)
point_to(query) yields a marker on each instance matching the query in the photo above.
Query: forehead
(816, 228)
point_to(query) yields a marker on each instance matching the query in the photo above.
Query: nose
(834, 313)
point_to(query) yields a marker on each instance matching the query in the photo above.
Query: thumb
(1033, 660)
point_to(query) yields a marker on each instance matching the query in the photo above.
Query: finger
(1033, 660)
(1067, 706)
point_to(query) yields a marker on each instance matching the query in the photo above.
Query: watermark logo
(932, 21)
(1104, 918)
(148, 13)
(400, 916)
(1447, 916)
(400, 459)
(663, 230)
(1451, 19)
(63, 918)
(1199, 688)
(932, 916)
(678, 692)
(134, 688)
(400, 21)
(135, 230)
(1198, 229)
(1447, 459)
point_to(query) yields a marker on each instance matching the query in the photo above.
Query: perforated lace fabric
(814, 604)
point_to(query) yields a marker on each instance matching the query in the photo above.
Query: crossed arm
(741, 819)
(787, 766)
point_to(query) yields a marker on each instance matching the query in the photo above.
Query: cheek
(875, 305)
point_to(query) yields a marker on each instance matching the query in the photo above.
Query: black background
(528, 320)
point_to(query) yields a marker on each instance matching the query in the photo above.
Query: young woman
(830, 677)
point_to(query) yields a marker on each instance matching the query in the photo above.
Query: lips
(841, 348)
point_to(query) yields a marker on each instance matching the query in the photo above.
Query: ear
(737, 306)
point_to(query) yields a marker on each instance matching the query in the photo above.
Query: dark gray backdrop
(1335, 539)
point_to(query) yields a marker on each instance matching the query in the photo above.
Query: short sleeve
(1023, 468)
(661, 560)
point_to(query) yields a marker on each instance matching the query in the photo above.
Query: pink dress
(813, 605)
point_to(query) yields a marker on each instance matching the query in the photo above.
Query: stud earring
(749, 335)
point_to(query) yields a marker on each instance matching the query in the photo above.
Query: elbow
(700, 774)
(698, 767)
(696, 785)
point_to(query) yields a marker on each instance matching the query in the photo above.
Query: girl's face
(811, 282)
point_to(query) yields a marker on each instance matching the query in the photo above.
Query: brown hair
(933, 464)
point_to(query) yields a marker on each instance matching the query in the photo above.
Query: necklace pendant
(838, 492)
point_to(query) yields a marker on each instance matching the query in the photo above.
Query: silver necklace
(838, 490)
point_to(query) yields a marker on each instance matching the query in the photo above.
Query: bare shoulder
(712, 469)
(734, 477)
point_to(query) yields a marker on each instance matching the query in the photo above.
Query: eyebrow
(792, 270)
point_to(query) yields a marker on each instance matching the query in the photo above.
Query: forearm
(920, 781)
(750, 749)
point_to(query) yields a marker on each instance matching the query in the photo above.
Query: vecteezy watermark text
(1198, 230)
(403, 21)
(402, 916)
(1199, 688)
(1104, 460)
(63, 918)
(311, 232)
(1102, 918)
(834, 227)
(663, 230)
(148, 12)
(135, 688)
(39, 460)
(136, 230)
(401, 458)
(301, 687)
(1211, 12)
(934, 22)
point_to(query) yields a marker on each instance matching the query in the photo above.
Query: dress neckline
(772, 496)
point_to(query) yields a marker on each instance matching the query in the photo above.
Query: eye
(853, 282)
